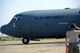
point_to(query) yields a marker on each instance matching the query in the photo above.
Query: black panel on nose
(3, 29)
(79, 12)
(0, 29)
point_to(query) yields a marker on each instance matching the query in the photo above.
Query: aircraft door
(37, 32)
(34, 31)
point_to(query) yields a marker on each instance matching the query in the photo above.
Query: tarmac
(43, 46)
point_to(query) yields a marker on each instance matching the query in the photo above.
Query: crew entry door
(34, 31)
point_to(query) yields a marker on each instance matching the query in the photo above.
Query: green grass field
(10, 39)
(20, 39)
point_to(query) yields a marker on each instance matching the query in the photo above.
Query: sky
(8, 8)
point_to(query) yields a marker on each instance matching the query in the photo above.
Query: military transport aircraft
(41, 24)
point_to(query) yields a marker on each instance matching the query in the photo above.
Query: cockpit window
(14, 18)
(19, 17)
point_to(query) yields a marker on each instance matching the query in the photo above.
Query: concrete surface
(43, 46)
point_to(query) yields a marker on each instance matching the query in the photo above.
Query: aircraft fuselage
(42, 23)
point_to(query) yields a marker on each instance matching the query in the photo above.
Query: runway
(43, 46)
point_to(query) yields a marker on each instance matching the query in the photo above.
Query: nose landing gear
(25, 40)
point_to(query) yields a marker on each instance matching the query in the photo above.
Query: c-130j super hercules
(41, 24)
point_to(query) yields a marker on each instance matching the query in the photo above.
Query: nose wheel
(25, 40)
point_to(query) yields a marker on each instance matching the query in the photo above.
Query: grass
(20, 39)
(10, 39)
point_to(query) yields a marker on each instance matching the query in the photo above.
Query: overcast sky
(8, 8)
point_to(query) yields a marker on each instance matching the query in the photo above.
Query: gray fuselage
(42, 23)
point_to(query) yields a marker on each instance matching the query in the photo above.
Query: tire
(25, 40)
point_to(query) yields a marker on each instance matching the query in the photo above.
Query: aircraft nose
(0, 29)
(3, 29)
